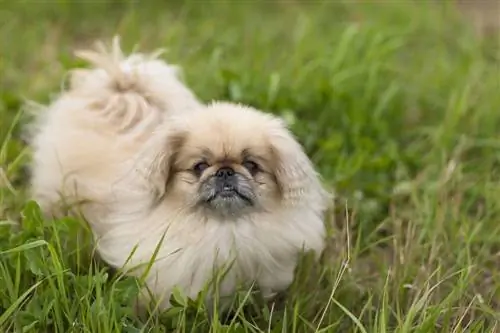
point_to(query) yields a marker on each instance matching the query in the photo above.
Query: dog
(173, 189)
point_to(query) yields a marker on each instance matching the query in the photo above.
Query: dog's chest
(238, 245)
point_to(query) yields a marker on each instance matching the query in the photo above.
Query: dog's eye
(199, 167)
(251, 166)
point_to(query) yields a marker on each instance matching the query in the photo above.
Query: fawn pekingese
(160, 176)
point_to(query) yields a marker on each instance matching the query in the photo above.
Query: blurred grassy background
(395, 101)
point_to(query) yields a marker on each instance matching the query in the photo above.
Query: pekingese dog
(167, 181)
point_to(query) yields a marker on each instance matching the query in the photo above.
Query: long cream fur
(105, 144)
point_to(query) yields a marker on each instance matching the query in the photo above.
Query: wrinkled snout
(227, 191)
(226, 182)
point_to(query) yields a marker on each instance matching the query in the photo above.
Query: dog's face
(225, 170)
(232, 160)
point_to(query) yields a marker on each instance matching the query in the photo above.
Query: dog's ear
(295, 175)
(163, 153)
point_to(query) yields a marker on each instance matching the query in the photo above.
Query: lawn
(396, 102)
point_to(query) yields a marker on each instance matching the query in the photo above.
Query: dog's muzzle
(225, 182)
(227, 191)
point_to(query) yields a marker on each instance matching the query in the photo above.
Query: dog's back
(86, 139)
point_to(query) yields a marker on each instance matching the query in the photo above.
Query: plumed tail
(138, 80)
(125, 73)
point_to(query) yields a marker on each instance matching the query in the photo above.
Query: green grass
(397, 103)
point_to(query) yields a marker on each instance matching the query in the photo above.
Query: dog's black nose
(224, 172)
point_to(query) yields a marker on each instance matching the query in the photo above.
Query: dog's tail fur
(131, 82)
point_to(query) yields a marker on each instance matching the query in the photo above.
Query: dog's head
(233, 160)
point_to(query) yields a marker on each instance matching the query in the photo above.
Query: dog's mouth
(228, 196)
(229, 193)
